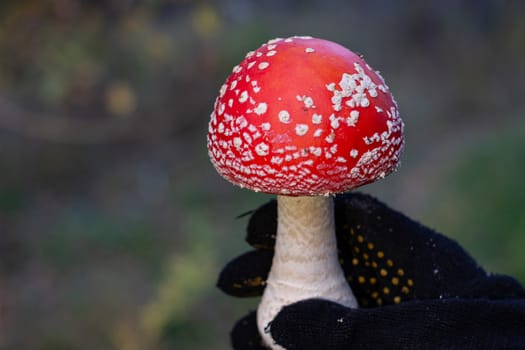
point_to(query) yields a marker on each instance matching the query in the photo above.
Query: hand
(416, 288)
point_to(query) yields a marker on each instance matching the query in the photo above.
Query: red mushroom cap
(304, 116)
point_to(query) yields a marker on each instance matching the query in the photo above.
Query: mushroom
(304, 118)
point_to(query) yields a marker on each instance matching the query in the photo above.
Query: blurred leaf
(206, 21)
(120, 99)
(159, 46)
(188, 276)
(126, 336)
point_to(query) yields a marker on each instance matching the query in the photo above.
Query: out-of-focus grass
(11, 200)
(113, 224)
(481, 201)
(80, 237)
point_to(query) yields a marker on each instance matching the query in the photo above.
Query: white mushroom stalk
(304, 118)
(305, 263)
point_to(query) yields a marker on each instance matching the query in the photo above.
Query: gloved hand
(416, 288)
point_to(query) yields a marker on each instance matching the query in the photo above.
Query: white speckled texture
(304, 116)
(305, 264)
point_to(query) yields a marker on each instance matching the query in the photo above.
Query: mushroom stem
(305, 264)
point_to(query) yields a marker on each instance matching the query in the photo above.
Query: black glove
(432, 294)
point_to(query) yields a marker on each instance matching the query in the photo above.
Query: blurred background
(113, 223)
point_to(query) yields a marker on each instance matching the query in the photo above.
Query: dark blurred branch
(64, 129)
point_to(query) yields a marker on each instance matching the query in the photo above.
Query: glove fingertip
(312, 324)
(262, 226)
(245, 335)
(245, 276)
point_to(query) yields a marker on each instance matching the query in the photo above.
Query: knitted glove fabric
(431, 324)
(416, 288)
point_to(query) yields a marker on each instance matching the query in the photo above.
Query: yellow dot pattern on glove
(375, 277)
(254, 282)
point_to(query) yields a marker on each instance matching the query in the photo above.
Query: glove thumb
(312, 324)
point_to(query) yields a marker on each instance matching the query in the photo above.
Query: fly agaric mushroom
(304, 118)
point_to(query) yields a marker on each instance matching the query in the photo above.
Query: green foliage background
(113, 223)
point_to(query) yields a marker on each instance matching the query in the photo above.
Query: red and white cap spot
(304, 116)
